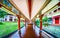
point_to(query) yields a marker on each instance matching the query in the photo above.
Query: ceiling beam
(30, 6)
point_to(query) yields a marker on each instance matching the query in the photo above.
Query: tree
(2, 13)
(45, 21)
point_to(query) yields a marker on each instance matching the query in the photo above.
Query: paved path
(29, 32)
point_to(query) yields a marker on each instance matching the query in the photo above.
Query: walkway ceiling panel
(15, 10)
(22, 6)
(54, 8)
(36, 6)
(50, 5)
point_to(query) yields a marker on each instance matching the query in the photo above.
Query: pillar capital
(41, 15)
(18, 16)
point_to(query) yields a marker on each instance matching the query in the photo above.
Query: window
(5, 19)
(58, 8)
(14, 19)
(55, 10)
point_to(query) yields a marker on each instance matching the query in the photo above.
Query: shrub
(1, 23)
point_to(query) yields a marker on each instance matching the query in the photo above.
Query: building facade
(55, 15)
(10, 17)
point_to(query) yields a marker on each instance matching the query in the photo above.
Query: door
(56, 20)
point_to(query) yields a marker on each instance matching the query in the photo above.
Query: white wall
(53, 21)
(8, 17)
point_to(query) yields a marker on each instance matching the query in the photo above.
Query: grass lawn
(8, 27)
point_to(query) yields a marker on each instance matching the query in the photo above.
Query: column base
(40, 31)
(19, 30)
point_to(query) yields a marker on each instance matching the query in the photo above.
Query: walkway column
(18, 22)
(41, 16)
(40, 23)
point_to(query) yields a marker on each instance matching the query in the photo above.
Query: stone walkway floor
(29, 32)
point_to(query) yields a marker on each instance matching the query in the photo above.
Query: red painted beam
(29, 5)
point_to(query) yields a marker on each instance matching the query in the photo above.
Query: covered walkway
(29, 11)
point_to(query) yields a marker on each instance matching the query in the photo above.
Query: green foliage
(45, 19)
(8, 27)
(45, 24)
(2, 13)
(37, 22)
(21, 24)
(1, 23)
